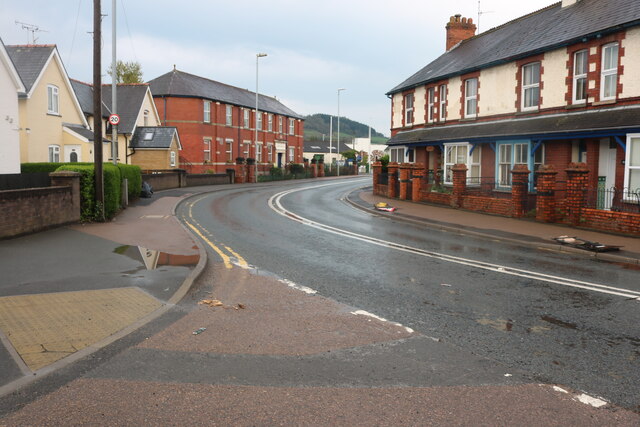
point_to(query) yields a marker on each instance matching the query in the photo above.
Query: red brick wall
(438, 198)
(187, 115)
(618, 222)
(35, 209)
(488, 204)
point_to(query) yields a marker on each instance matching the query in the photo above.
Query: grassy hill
(316, 125)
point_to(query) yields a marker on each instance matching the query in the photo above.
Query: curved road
(562, 319)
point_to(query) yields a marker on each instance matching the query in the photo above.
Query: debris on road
(199, 331)
(585, 244)
(382, 206)
(218, 303)
(211, 302)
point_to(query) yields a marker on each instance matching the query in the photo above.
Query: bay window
(462, 153)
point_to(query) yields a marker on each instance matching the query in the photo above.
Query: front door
(606, 173)
(72, 153)
(279, 160)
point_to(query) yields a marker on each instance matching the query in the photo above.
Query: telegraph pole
(114, 86)
(97, 110)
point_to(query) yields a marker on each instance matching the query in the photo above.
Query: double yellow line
(229, 256)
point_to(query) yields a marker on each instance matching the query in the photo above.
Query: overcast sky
(314, 47)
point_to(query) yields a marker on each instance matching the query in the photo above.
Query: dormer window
(609, 77)
(148, 136)
(53, 102)
(531, 86)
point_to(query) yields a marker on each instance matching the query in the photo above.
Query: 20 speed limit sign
(114, 119)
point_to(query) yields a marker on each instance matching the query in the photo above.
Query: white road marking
(559, 389)
(299, 287)
(382, 319)
(593, 401)
(275, 205)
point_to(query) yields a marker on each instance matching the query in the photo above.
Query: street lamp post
(338, 145)
(258, 56)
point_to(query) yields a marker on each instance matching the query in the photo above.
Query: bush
(39, 167)
(275, 171)
(134, 175)
(296, 168)
(112, 189)
(87, 189)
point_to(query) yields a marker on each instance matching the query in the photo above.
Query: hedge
(39, 167)
(134, 175)
(87, 200)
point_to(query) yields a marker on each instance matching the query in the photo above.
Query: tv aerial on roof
(33, 29)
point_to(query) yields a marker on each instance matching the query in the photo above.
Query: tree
(127, 72)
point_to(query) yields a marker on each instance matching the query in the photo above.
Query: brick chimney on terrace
(459, 29)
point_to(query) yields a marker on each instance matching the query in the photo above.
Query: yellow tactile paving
(44, 328)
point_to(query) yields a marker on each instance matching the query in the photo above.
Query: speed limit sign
(114, 119)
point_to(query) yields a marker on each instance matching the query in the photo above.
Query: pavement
(95, 284)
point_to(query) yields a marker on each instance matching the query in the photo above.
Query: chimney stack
(459, 29)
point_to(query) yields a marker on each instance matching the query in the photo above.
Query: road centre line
(199, 229)
(275, 205)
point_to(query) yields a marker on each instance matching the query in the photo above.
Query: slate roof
(130, 100)
(29, 61)
(179, 83)
(547, 29)
(161, 137)
(322, 147)
(611, 121)
(84, 132)
(84, 93)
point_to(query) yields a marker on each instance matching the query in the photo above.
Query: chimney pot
(458, 30)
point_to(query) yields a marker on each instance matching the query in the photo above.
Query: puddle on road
(559, 322)
(153, 259)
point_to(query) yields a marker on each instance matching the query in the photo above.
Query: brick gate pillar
(416, 181)
(240, 171)
(545, 193)
(577, 181)
(403, 176)
(519, 189)
(251, 170)
(459, 184)
(314, 168)
(392, 168)
(320, 168)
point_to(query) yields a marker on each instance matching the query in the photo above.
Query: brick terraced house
(554, 90)
(217, 124)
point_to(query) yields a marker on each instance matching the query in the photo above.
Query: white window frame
(396, 154)
(431, 99)
(408, 109)
(206, 107)
(442, 96)
(531, 84)
(607, 73)
(504, 174)
(270, 122)
(292, 154)
(53, 99)
(471, 98)
(472, 160)
(580, 75)
(54, 153)
(245, 118)
(172, 160)
(229, 149)
(207, 150)
(280, 125)
(247, 149)
(259, 152)
(270, 153)
(259, 120)
(629, 166)
(292, 126)
(229, 115)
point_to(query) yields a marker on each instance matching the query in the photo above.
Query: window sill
(605, 102)
(54, 114)
(527, 112)
(469, 119)
(576, 105)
